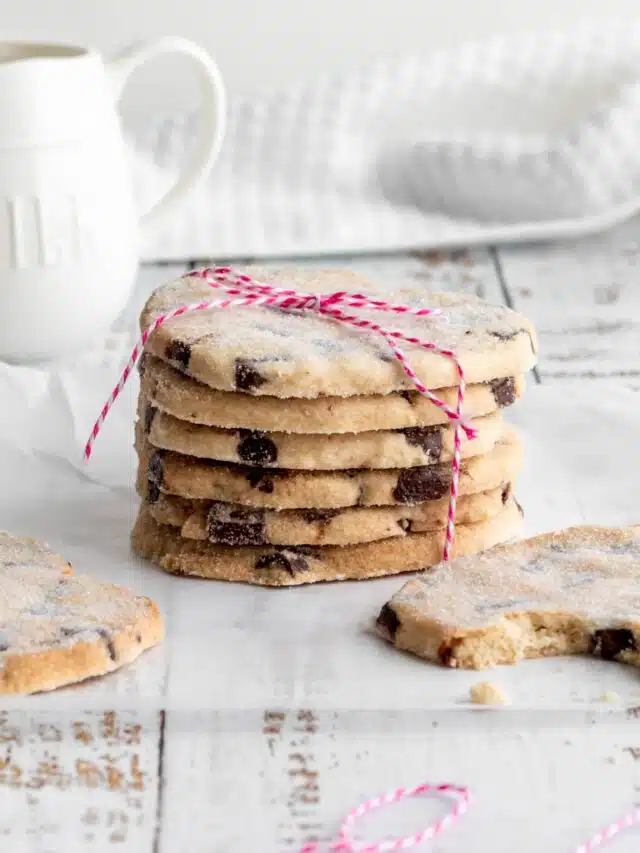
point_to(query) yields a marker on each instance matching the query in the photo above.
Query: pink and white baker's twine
(345, 844)
(242, 290)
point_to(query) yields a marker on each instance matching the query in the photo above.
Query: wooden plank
(583, 297)
(463, 271)
(227, 780)
(470, 271)
(274, 781)
(604, 383)
(78, 781)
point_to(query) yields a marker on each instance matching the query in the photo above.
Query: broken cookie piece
(576, 591)
(58, 628)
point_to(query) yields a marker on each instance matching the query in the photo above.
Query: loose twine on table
(345, 844)
(242, 290)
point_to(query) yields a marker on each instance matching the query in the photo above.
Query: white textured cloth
(519, 138)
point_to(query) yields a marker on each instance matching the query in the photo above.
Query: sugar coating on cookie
(570, 592)
(58, 628)
(260, 350)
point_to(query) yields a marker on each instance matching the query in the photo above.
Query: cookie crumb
(486, 693)
(610, 696)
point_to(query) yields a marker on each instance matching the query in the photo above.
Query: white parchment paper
(237, 647)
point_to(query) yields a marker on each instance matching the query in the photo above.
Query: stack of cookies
(282, 448)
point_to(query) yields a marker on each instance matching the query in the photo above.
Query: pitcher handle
(213, 111)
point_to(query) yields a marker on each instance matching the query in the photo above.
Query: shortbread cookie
(58, 628)
(302, 354)
(281, 489)
(291, 566)
(384, 449)
(189, 400)
(233, 524)
(572, 592)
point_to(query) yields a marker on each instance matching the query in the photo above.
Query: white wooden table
(270, 779)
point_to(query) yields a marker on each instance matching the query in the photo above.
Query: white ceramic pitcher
(69, 232)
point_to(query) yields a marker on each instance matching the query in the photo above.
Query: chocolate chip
(228, 524)
(149, 415)
(407, 396)
(155, 471)
(256, 448)
(503, 390)
(138, 637)
(405, 524)
(424, 483)
(291, 560)
(610, 642)
(505, 336)
(311, 515)
(427, 438)
(179, 352)
(246, 376)
(446, 653)
(260, 480)
(108, 641)
(153, 492)
(388, 621)
(506, 493)
(104, 633)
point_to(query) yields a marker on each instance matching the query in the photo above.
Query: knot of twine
(243, 290)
